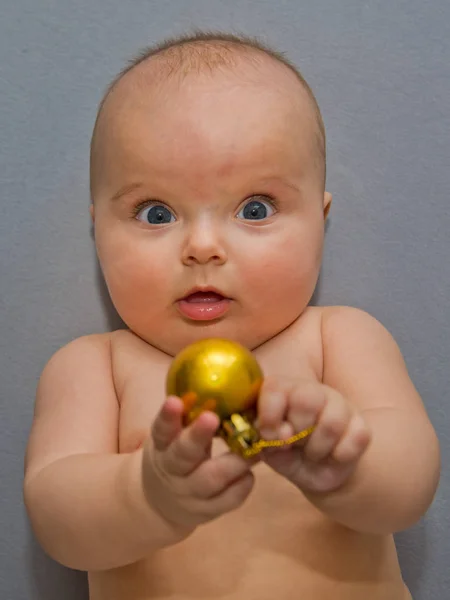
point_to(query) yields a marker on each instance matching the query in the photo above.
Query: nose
(203, 245)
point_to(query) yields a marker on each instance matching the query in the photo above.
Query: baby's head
(207, 174)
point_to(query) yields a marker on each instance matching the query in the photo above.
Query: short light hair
(207, 50)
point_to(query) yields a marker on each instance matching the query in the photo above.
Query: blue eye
(156, 214)
(256, 210)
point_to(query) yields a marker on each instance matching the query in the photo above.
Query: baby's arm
(93, 508)
(85, 500)
(396, 479)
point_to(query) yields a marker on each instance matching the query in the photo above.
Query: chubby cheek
(137, 277)
(285, 272)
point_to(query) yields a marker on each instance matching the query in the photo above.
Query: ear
(327, 199)
(92, 212)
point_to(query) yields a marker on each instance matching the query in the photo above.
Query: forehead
(152, 87)
(228, 112)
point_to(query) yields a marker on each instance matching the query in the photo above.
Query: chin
(178, 333)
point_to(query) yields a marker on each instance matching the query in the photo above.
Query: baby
(209, 204)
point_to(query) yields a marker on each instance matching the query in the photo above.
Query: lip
(204, 310)
(203, 289)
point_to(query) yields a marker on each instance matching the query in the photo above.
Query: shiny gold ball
(218, 375)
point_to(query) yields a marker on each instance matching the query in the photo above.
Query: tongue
(207, 297)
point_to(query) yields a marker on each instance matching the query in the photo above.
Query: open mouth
(204, 305)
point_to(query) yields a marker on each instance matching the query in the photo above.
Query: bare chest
(276, 544)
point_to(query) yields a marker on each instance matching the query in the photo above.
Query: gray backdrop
(381, 71)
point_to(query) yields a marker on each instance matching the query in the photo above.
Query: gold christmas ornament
(221, 376)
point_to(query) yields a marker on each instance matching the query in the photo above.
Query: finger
(285, 432)
(272, 406)
(192, 446)
(329, 429)
(215, 475)
(168, 423)
(306, 403)
(354, 442)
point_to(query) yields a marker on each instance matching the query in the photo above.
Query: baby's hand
(325, 459)
(181, 480)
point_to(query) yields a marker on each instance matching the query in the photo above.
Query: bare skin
(115, 485)
(257, 550)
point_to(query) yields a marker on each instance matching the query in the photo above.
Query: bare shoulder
(76, 408)
(85, 358)
(345, 325)
(95, 344)
(363, 360)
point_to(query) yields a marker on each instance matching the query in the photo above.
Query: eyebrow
(126, 190)
(282, 181)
